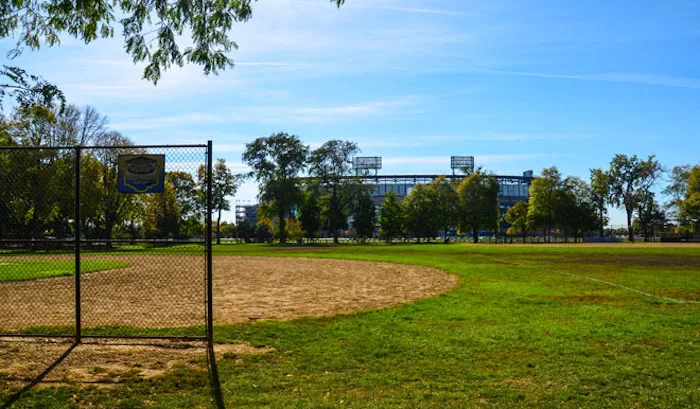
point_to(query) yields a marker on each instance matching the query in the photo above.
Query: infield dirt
(169, 291)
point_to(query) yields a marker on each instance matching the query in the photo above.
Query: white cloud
(167, 121)
(396, 106)
(632, 78)
(419, 10)
(389, 107)
(371, 108)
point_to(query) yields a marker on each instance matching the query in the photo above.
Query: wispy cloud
(396, 106)
(370, 108)
(389, 107)
(432, 140)
(413, 10)
(632, 78)
(150, 123)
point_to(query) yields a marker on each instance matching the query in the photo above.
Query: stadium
(513, 188)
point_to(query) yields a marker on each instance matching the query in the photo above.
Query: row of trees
(329, 197)
(335, 192)
(570, 206)
(38, 185)
(558, 203)
(470, 206)
(38, 190)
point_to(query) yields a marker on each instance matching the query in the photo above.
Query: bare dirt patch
(256, 288)
(103, 362)
(168, 291)
(162, 291)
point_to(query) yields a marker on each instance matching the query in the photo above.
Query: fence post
(78, 330)
(210, 308)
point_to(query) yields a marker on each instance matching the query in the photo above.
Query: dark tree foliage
(545, 198)
(364, 217)
(631, 179)
(28, 90)
(331, 163)
(420, 213)
(478, 203)
(600, 196)
(277, 161)
(390, 217)
(310, 213)
(690, 206)
(516, 216)
(445, 201)
(224, 184)
(575, 208)
(650, 217)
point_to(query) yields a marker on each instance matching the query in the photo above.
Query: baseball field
(381, 326)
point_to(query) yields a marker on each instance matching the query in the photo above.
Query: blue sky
(518, 84)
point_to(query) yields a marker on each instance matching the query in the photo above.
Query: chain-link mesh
(142, 256)
(37, 205)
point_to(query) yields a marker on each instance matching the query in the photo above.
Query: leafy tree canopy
(631, 180)
(151, 29)
(277, 161)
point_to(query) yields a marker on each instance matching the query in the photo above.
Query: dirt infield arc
(245, 289)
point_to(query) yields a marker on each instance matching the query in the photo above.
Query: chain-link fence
(105, 241)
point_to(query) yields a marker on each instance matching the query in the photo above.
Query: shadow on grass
(214, 378)
(36, 380)
(44, 363)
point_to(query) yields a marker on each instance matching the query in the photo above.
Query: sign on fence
(141, 174)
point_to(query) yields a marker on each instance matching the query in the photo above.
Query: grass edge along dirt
(513, 333)
(16, 269)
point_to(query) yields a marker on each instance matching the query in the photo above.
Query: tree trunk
(218, 228)
(524, 235)
(475, 234)
(35, 228)
(334, 214)
(283, 239)
(630, 230)
(109, 227)
(602, 226)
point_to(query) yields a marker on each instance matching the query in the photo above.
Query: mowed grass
(13, 269)
(526, 326)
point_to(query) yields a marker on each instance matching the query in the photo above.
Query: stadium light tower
(367, 163)
(462, 162)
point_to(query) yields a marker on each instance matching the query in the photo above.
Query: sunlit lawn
(527, 326)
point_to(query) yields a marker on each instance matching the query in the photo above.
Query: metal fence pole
(210, 307)
(77, 246)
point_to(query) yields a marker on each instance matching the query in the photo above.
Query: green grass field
(527, 326)
(14, 269)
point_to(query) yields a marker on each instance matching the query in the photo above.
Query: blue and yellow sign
(141, 174)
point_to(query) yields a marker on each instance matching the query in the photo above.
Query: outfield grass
(527, 326)
(13, 269)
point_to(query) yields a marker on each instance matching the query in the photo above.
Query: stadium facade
(512, 188)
